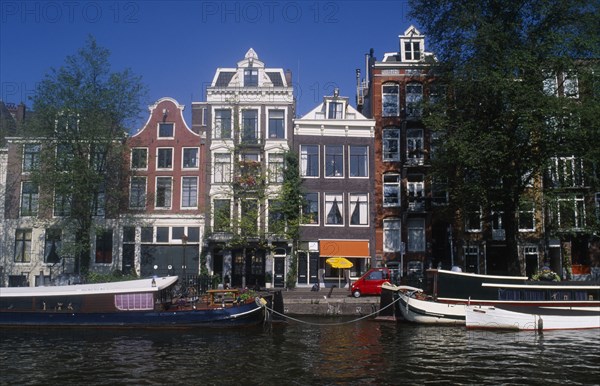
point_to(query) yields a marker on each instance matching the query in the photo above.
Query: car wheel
(356, 294)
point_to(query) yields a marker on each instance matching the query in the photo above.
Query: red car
(370, 283)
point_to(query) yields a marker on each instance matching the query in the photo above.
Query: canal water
(361, 353)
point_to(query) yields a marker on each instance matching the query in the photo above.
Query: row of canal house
(368, 196)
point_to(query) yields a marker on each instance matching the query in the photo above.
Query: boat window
(127, 302)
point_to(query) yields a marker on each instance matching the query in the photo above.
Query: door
(302, 268)
(279, 273)
(313, 267)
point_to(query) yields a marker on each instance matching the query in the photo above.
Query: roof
(120, 287)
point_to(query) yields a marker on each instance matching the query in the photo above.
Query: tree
(82, 115)
(493, 128)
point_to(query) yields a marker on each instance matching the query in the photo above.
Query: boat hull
(430, 312)
(532, 318)
(246, 314)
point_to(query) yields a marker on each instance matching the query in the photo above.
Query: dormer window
(412, 51)
(335, 110)
(251, 77)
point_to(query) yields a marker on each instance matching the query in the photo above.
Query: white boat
(414, 306)
(417, 308)
(532, 318)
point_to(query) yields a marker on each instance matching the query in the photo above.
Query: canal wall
(336, 302)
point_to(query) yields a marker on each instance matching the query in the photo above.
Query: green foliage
(82, 110)
(95, 277)
(493, 127)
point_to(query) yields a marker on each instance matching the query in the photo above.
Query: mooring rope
(331, 324)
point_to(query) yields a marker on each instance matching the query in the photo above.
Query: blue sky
(176, 46)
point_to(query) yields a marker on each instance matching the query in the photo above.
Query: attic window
(250, 77)
(412, 50)
(335, 111)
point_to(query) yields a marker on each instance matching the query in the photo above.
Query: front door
(279, 273)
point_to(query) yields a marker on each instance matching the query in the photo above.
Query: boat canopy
(129, 286)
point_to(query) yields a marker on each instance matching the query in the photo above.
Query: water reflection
(367, 352)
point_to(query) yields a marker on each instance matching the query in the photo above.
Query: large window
(390, 100)
(29, 198)
(189, 192)
(566, 172)
(309, 160)
(277, 223)
(137, 193)
(415, 187)
(100, 200)
(391, 189)
(276, 124)
(164, 159)
(163, 192)
(221, 215)
(310, 209)
(334, 161)
(416, 234)
(139, 158)
(104, 245)
(414, 97)
(250, 77)
(414, 146)
(412, 50)
(165, 130)
(249, 217)
(391, 235)
(359, 161)
(359, 208)
(526, 216)
(52, 244)
(571, 212)
(391, 144)
(334, 209)
(222, 124)
(62, 204)
(473, 220)
(64, 156)
(335, 110)
(23, 246)
(249, 126)
(276, 165)
(570, 85)
(31, 156)
(222, 170)
(190, 158)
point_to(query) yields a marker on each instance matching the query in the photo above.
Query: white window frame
(159, 124)
(304, 161)
(217, 132)
(392, 235)
(158, 150)
(222, 170)
(415, 146)
(317, 219)
(183, 199)
(33, 200)
(392, 180)
(257, 128)
(414, 100)
(577, 202)
(387, 139)
(415, 228)
(145, 149)
(330, 199)
(156, 195)
(362, 201)
(144, 195)
(283, 119)
(529, 212)
(388, 107)
(31, 159)
(468, 218)
(275, 167)
(197, 159)
(338, 172)
(358, 159)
